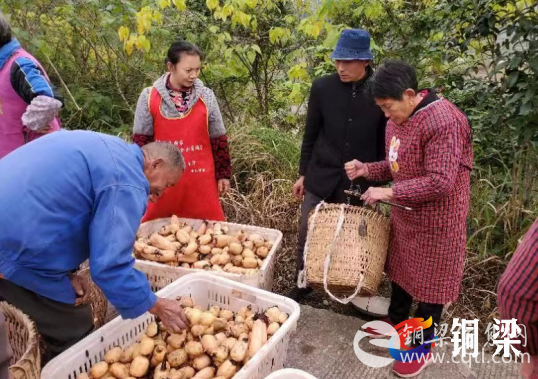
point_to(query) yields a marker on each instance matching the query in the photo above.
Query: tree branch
(63, 83)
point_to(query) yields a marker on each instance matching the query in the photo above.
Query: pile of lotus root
(216, 345)
(210, 247)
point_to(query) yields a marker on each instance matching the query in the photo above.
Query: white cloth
(40, 113)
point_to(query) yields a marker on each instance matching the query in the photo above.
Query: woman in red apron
(178, 108)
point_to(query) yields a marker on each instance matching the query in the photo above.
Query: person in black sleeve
(343, 123)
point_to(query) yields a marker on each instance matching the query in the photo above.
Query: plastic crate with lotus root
(169, 248)
(236, 331)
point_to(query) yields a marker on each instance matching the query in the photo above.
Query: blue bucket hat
(353, 44)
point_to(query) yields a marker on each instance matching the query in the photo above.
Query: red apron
(196, 193)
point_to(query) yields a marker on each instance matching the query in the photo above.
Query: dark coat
(343, 123)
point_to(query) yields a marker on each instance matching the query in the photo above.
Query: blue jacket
(67, 197)
(25, 75)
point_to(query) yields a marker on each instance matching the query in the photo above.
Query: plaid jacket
(429, 159)
(517, 294)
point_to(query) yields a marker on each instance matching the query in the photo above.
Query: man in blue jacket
(72, 196)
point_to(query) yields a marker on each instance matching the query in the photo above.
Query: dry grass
(478, 298)
(270, 203)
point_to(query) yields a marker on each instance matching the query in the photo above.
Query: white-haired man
(72, 196)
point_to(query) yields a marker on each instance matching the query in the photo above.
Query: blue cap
(353, 44)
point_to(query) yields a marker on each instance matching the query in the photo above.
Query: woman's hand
(355, 169)
(375, 194)
(224, 186)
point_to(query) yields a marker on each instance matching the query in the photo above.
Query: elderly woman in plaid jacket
(517, 298)
(429, 160)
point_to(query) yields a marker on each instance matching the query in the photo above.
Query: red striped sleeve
(221, 156)
(379, 171)
(141, 139)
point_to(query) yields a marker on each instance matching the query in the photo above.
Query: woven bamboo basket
(24, 341)
(97, 299)
(346, 250)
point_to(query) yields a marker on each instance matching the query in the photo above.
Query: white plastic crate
(160, 275)
(206, 290)
(290, 373)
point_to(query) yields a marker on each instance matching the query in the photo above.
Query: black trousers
(400, 306)
(60, 325)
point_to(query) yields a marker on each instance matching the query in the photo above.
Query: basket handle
(327, 263)
(15, 370)
(301, 280)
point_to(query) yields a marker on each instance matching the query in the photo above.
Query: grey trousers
(5, 349)
(61, 325)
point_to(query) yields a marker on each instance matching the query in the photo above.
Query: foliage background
(261, 58)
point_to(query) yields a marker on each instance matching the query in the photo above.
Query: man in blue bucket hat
(343, 122)
(353, 45)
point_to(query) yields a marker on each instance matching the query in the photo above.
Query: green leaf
(289, 19)
(157, 17)
(274, 35)
(144, 42)
(514, 98)
(251, 3)
(257, 49)
(373, 10)
(528, 95)
(244, 19)
(163, 3)
(123, 33)
(375, 47)
(214, 29)
(279, 34)
(515, 62)
(512, 79)
(298, 72)
(525, 109)
(437, 36)
(180, 4)
(227, 10)
(212, 4)
(251, 55)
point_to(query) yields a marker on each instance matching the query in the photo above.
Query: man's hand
(170, 313)
(224, 186)
(356, 169)
(375, 194)
(298, 188)
(81, 287)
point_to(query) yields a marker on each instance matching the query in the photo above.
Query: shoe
(412, 369)
(373, 334)
(298, 294)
